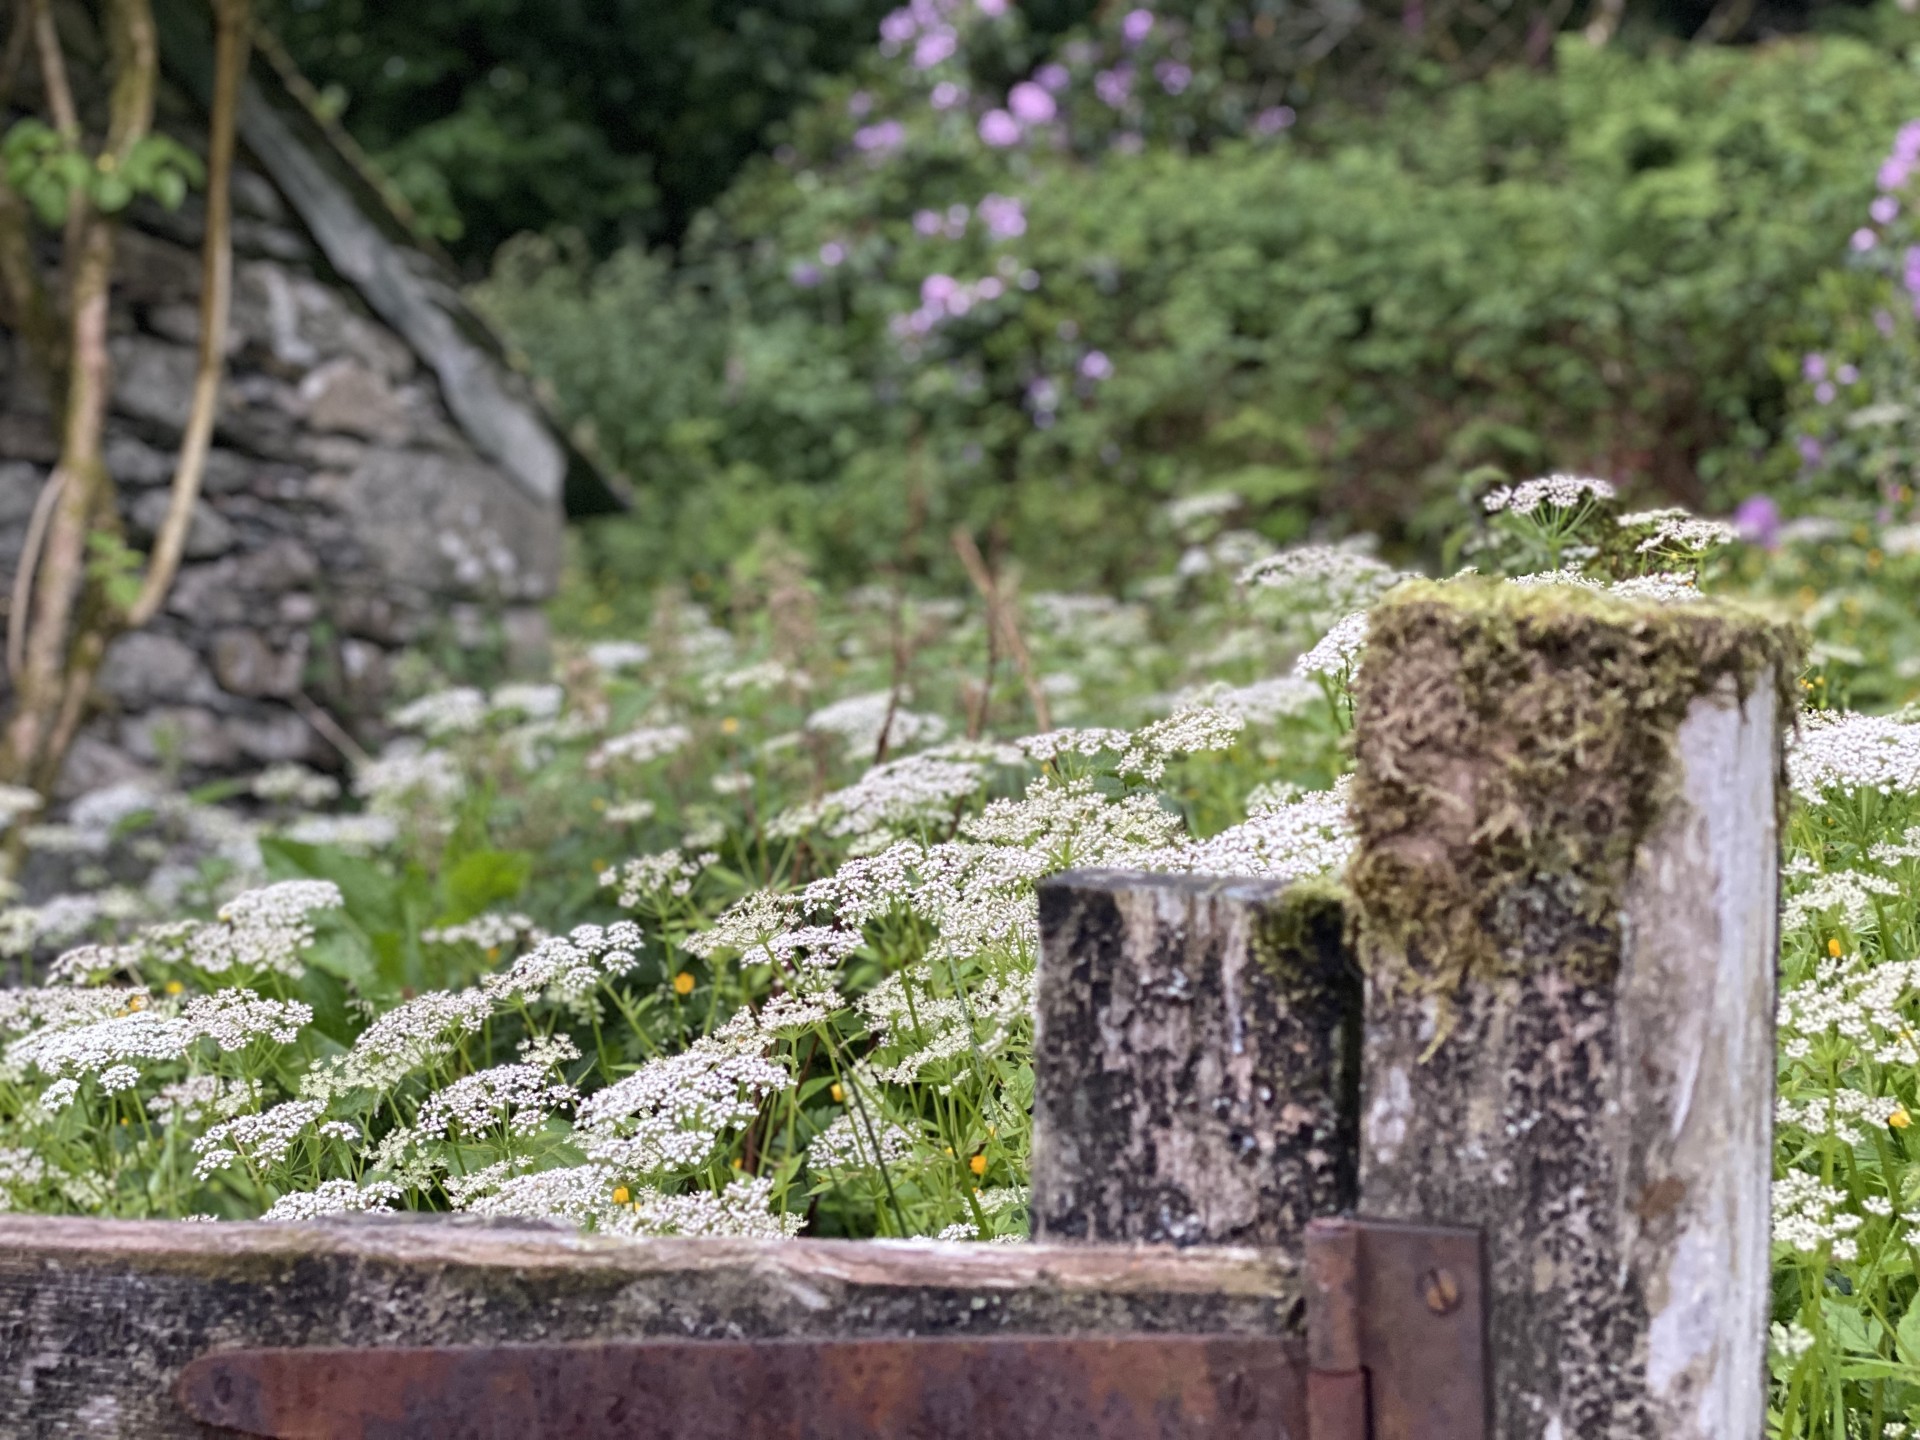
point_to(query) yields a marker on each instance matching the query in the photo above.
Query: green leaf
(484, 878)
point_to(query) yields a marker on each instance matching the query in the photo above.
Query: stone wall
(344, 513)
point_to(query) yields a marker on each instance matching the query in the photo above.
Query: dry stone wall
(344, 513)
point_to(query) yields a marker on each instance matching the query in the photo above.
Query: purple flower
(937, 290)
(1883, 322)
(1115, 86)
(990, 288)
(992, 9)
(879, 138)
(1894, 174)
(926, 222)
(859, 104)
(1173, 76)
(1031, 104)
(1812, 452)
(832, 253)
(933, 47)
(1137, 26)
(897, 28)
(1884, 210)
(1053, 76)
(1824, 392)
(804, 274)
(1758, 518)
(1273, 121)
(1911, 279)
(999, 129)
(946, 95)
(1094, 365)
(1003, 216)
(1814, 366)
(1847, 374)
(1864, 239)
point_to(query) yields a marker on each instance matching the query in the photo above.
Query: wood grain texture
(1612, 1136)
(97, 1318)
(1194, 1061)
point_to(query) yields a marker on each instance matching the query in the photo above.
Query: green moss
(1515, 744)
(1303, 931)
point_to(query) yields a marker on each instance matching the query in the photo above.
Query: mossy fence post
(1566, 885)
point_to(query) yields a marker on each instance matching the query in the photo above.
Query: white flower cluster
(16, 801)
(1662, 588)
(853, 1142)
(1860, 1004)
(348, 832)
(1338, 652)
(1189, 513)
(1807, 1216)
(406, 776)
(333, 1197)
(650, 878)
(640, 746)
(1262, 703)
(459, 711)
(143, 1033)
(518, 1098)
(21, 1171)
(670, 1114)
(1559, 492)
(912, 793)
(1839, 750)
(1849, 1116)
(1288, 840)
(487, 932)
(265, 1139)
(1185, 732)
(294, 784)
(859, 719)
(1848, 892)
(743, 1210)
(1323, 577)
(765, 675)
(261, 930)
(528, 702)
(610, 657)
(24, 928)
(1677, 529)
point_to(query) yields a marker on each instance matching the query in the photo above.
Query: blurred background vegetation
(824, 280)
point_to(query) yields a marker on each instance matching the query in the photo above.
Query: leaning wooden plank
(1566, 878)
(1195, 1060)
(98, 1318)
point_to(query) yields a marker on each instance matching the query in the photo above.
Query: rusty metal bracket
(1395, 1350)
(1396, 1332)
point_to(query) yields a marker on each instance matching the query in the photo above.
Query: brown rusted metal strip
(1396, 1332)
(1133, 1387)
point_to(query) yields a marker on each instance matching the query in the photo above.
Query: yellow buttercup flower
(1833, 947)
(683, 983)
(621, 1195)
(978, 1164)
(839, 1095)
(1900, 1119)
(174, 987)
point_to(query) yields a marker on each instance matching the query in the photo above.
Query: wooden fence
(1531, 1049)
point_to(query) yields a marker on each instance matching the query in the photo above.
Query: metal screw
(1440, 1288)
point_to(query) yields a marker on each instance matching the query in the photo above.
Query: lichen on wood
(1514, 746)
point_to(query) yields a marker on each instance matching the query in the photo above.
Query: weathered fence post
(1195, 1057)
(1566, 884)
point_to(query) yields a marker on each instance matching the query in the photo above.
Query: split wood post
(1194, 1060)
(1566, 883)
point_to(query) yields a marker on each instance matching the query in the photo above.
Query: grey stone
(20, 486)
(153, 271)
(179, 734)
(254, 195)
(208, 533)
(345, 397)
(453, 525)
(153, 380)
(1195, 1060)
(276, 737)
(104, 1315)
(228, 591)
(245, 664)
(94, 762)
(146, 667)
(180, 323)
(529, 641)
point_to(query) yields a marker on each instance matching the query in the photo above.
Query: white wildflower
(333, 1197)
(1338, 652)
(1676, 529)
(1845, 751)
(641, 746)
(1560, 492)
(858, 720)
(293, 784)
(459, 711)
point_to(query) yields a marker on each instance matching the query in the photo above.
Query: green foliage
(46, 171)
(1597, 266)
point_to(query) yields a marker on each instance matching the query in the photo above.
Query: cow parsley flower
(1560, 492)
(1337, 654)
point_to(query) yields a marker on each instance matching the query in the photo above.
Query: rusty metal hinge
(1394, 1352)
(1396, 1332)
